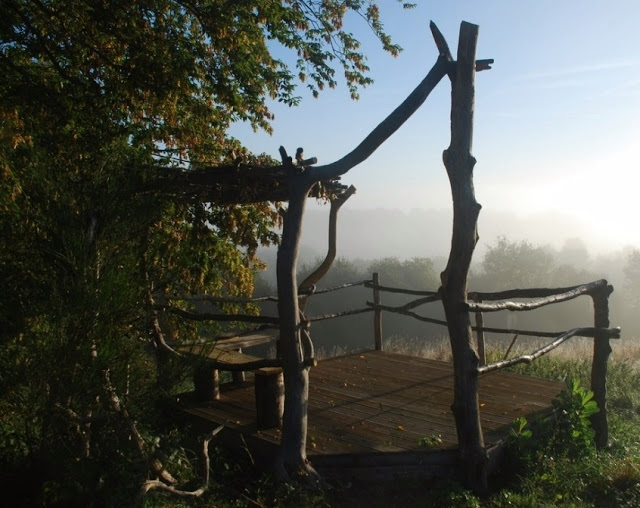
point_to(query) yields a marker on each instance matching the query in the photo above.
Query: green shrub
(572, 433)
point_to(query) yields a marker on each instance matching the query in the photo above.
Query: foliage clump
(97, 100)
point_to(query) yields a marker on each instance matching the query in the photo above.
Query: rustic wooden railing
(477, 303)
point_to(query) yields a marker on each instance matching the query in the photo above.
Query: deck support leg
(206, 381)
(238, 375)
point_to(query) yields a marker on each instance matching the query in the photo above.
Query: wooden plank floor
(371, 402)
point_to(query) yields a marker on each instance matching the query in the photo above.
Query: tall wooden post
(601, 352)
(459, 164)
(301, 179)
(293, 454)
(377, 314)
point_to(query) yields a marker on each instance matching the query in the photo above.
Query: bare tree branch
(118, 407)
(324, 267)
(530, 357)
(386, 128)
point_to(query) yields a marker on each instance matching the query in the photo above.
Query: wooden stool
(206, 382)
(269, 391)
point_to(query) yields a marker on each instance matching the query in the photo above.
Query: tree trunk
(459, 164)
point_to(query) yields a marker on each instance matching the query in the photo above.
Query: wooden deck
(369, 411)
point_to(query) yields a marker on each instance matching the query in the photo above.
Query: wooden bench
(226, 354)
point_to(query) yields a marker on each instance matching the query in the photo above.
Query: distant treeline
(506, 264)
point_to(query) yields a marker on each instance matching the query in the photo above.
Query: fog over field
(544, 250)
(377, 233)
(427, 233)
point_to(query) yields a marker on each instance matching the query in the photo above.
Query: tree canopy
(96, 96)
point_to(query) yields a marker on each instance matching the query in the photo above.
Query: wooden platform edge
(417, 465)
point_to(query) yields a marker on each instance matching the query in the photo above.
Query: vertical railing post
(377, 314)
(601, 352)
(480, 337)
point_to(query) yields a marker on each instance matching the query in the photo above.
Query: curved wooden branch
(159, 339)
(531, 357)
(160, 485)
(417, 303)
(117, 406)
(400, 310)
(386, 128)
(324, 267)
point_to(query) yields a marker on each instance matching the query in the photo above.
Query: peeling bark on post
(459, 164)
(601, 352)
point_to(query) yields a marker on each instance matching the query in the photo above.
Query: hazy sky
(557, 123)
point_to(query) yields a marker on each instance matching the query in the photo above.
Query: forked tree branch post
(293, 455)
(459, 164)
(301, 178)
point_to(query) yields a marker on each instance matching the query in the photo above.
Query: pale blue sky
(557, 123)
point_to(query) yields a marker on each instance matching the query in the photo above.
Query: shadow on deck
(369, 411)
